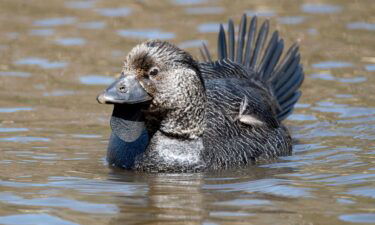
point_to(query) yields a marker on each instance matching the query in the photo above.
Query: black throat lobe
(127, 121)
(129, 137)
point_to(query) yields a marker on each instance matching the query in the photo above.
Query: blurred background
(57, 55)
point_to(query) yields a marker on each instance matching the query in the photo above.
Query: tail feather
(284, 77)
(274, 60)
(262, 36)
(222, 44)
(231, 39)
(241, 39)
(205, 53)
(269, 53)
(288, 105)
(250, 40)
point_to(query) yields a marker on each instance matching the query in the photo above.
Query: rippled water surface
(56, 56)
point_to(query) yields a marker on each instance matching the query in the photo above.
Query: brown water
(55, 56)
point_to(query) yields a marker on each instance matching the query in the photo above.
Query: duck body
(216, 114)
(229, 131)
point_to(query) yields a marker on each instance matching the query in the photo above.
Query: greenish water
(56, 56)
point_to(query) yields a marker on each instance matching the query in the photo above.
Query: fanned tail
(262, 59)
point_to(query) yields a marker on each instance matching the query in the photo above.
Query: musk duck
(175, 114)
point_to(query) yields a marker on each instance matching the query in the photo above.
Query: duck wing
(254, 59)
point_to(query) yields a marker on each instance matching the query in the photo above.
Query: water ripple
(291, 20)
(12, 129)
(50, 22)
(343, 110)
(361, 26)
(146, 34)
(22, 139)
(210, 27)
(278, 187)
(72, 204)
(358, 218)
(84, 185)
(12, 110)
(36, 218)
(331, 65)
(43, 63)
(14, 74)
(188, 2)
(70, 41)
(42, 32)
(80, 4)
(192, 44)
(114, 12)
(96, 80)
(320, 8)
(261, 12)
(330, 77)
(92, 25)
(362, 191)
(370, 67)
(59, 93)
(204, 10)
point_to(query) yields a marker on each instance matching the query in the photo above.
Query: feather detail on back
(259, 61)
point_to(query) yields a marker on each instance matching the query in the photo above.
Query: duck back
(249, 91)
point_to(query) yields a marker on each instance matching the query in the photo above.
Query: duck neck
(188, 120)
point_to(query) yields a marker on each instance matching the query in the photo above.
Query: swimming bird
(210, 115)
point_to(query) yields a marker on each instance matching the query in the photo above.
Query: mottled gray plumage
(217, 114)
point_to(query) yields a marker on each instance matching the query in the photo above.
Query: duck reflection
(162, 198)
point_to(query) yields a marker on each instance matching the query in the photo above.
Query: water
(53, 134)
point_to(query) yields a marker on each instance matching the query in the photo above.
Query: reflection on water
(56, 58)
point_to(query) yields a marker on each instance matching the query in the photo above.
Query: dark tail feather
(231, 40)
(241, 39)
(284, 77)
(262, 36)
(222, 44)
(250, 39)
(288, 106)
(205, 53)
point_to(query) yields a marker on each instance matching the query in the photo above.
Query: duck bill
(125, 90)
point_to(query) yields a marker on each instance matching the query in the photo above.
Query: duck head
(168, 80)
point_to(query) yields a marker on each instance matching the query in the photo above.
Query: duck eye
(153, 71)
